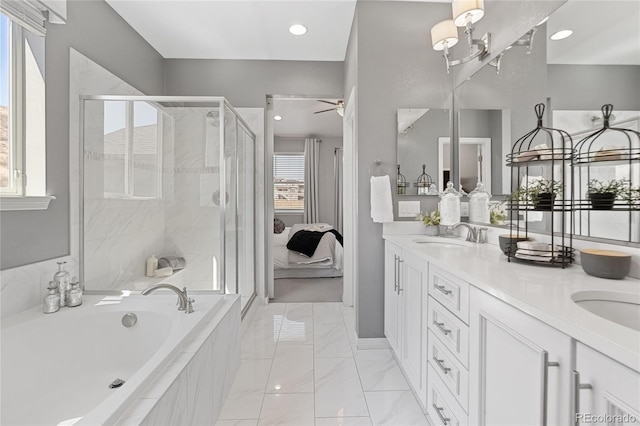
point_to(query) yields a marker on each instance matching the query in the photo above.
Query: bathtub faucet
(185, 303)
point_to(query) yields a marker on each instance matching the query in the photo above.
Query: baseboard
(373, 343)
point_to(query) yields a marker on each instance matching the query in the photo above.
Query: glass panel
(246, 219)
(146, 149)
(114, 149)
(5, 67)
(230, 214)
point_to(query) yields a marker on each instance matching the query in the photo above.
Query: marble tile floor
(300, 367)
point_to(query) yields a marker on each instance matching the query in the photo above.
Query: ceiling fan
(339, 107)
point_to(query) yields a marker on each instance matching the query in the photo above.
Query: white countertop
(541, 291)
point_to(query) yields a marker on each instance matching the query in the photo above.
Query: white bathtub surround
(287, 378)
(60, 360)
(24, 287)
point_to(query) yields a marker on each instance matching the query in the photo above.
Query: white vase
(433, 230)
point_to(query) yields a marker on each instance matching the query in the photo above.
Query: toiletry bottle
(479, 204)
(450, 206)
(62, 280)
(51, 301)
(152, 265)
(75, 293)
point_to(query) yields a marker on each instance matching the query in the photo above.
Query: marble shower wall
(192, 218)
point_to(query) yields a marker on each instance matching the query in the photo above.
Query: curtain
(311, 158)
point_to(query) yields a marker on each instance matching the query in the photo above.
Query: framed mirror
(421, 157)
(573, 77)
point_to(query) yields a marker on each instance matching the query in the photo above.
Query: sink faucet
(474, 234)
(185, 303)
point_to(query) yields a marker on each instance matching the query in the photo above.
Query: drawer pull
(440, 363)
(440, 326)
(443, 289)
(444, 419)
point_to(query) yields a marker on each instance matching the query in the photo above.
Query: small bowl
(605, 263)
(508, 243)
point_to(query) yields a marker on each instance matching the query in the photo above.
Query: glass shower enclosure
(171, 178)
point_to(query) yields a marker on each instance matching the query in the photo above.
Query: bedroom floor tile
(305, 353)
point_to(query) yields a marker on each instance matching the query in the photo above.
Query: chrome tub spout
(185, 303)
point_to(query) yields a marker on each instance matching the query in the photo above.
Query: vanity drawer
(450, 291)
(452, 373)
(451, 331)
(442, 407)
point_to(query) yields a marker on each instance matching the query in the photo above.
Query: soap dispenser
(62, 280)
(51, 301)
(450, 206)
(479, 204)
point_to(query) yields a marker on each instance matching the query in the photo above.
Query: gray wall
(394, 69)
(246, 82)
(94, 29)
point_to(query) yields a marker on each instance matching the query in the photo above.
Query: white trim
(484, 143)
(373, 343)
(8, 204)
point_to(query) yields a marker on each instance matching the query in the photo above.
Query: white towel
(381, 204)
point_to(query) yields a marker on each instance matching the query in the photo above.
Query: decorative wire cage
(607, 170)
(401, 183)
(550, 151)
(424, 182)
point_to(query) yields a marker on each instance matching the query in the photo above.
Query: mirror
(420, 135)
(573, 77)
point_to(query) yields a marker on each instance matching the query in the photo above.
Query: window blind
(288, 181)
(26, 14)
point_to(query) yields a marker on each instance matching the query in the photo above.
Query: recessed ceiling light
(277, 117)
(297, 29)
(562, 34)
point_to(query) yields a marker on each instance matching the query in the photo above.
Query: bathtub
(57, 368)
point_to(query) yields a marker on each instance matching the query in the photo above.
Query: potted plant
(431, 221)
(497, 213)
(603, 195)
(541, 193)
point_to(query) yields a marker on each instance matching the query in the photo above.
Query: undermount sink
(621, 308)
(442, 243)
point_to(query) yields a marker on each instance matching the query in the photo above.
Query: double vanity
(484, 341)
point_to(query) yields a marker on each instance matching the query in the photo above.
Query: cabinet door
(611, 391)
(392, 274)
(412, 286)
(519, 367)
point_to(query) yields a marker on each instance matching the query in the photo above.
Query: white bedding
(281, 255)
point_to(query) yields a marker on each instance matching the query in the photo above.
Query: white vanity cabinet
(603, 390)
(520, 368)
(392, 296)
(405, 291)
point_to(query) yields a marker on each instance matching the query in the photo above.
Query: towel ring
(378, 164)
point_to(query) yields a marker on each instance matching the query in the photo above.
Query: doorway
(304, 157)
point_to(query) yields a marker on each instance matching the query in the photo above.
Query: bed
(326, 263)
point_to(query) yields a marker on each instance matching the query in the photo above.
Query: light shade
(463, 8)
(298, 29)
(444, 32)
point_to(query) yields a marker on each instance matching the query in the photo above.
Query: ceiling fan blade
(325, 110)
(328, 102)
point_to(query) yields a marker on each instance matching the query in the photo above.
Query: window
(288, 182)
(22, 106)
(9, 152)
